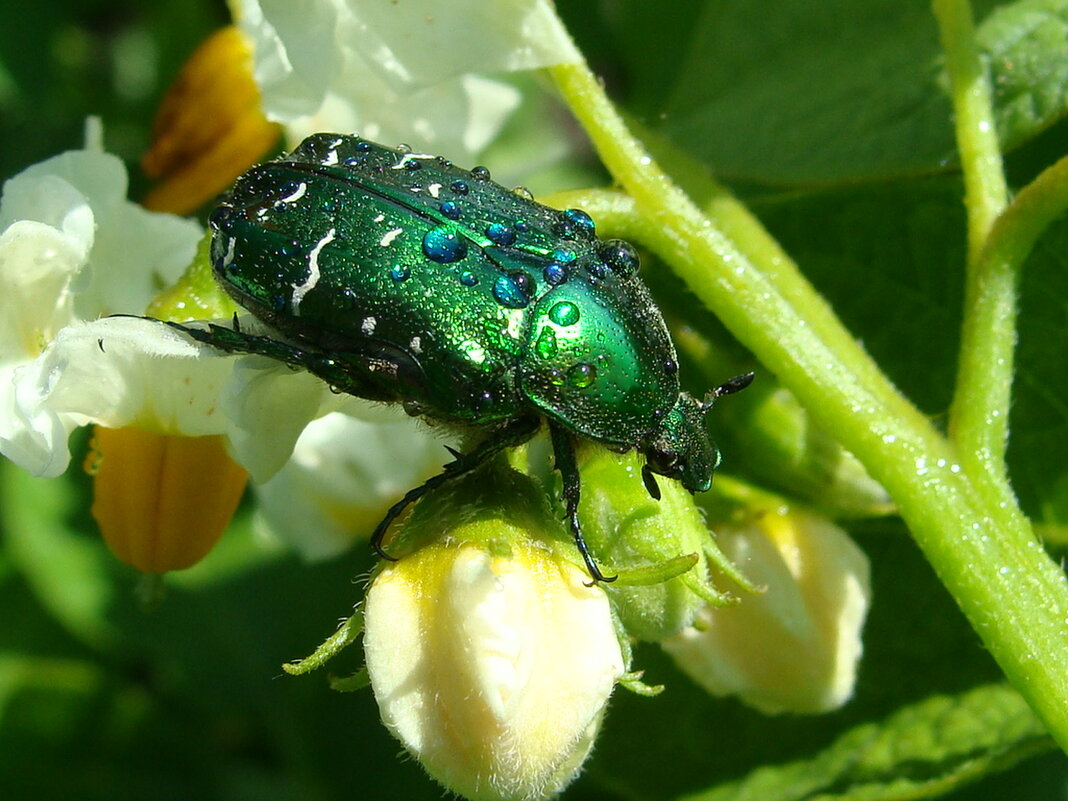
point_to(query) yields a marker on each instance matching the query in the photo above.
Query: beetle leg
(564, 453)
(342, 376)
(515, 432)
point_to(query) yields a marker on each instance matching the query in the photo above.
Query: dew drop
(620, 256)
(480, 173)
(555, 274)
(450, 210)
(443, 245)
(523, 192)
(546, 344)
(500, 234)
(512, 291)
(400, 272)
(580, 220)
(564, 313)
(564, 255)
(468, 278)
(598, 269)
(581, 375)
(459, 187)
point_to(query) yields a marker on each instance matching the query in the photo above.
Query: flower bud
(630, 531)
(785, 447)
(795, 646)
(490, 657)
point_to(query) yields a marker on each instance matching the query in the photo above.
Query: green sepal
(350, 684)
(654, 574)
(632, 681)
(508, 502)
(658, 547)
(196, 295)
(346, 634)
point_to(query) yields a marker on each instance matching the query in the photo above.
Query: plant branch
(987, 556)
(979, 414)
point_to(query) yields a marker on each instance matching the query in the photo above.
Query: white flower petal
(343, 476)
(297, 55)
(125, 254)
(269, 405)
(37, 264)
(407, 44)
(137, 253)
(115, 372)
(396, 73)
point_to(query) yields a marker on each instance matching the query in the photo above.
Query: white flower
(491, 664)
(73, 248)
(394, 71)
(794, 647)
(343, 476)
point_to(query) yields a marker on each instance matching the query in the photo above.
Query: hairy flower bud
(795, 646)
(491, 659)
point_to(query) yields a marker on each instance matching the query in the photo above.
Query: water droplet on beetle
(546, 344)
(555, 274)
(500, 234)
(512, 291)
(581, 221)
(564, 313)
(444, 245)
(620, 256)
(581, 375)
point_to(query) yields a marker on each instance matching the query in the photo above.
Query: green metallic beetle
(397, 277)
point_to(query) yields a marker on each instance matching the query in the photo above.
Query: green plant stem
(978, 421)
(985, 192)
(988, 557)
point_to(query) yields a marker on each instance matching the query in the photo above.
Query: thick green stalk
(1012, 593)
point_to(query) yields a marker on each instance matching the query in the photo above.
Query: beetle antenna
(736, 384)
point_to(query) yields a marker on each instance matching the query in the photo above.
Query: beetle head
(680, 448)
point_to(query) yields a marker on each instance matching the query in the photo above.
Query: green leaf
(921, 751)
(829, 92)
(1025, 42)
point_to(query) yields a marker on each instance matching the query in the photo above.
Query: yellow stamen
(162, 501)
(209, 128)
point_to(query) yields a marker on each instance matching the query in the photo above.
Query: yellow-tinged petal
(491, 665)
(162, 502)
(210, 127)
(795, 646)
